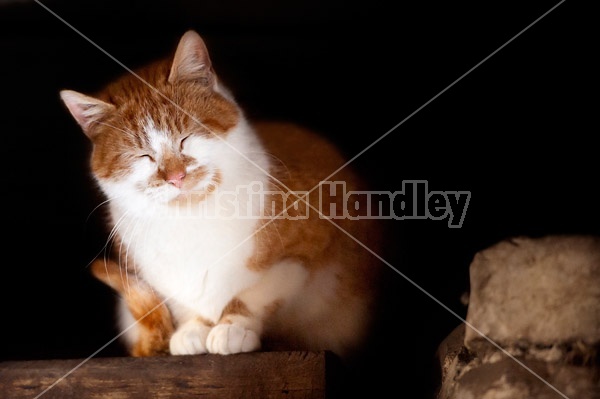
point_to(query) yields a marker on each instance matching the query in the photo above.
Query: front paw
(189, 339)
(226, 339)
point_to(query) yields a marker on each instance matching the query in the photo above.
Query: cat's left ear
(191, 61)
(85, 109)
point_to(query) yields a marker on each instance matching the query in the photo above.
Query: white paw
(189, 339)
(226, 339)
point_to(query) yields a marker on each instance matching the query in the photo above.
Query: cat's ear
(191, 61)
(85, 109)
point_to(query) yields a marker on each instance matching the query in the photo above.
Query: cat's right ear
(85, 109)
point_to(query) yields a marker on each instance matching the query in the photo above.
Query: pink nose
(176, 178)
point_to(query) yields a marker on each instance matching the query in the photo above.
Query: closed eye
(147, 156)
(183, 141)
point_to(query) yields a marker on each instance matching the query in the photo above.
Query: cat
(210, 250)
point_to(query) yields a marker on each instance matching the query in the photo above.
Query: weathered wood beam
(263, 375)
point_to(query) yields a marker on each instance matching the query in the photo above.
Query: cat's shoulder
(297, 143)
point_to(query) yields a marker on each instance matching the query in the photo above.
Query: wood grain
(264, 375)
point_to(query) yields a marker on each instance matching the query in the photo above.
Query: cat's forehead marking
(157, 138)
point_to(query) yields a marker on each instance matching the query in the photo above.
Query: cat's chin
(193, 195)
(169, 195)
(163, 195)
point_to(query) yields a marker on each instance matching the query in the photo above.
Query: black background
(517, 132)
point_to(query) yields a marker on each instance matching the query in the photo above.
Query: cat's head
(157, 136)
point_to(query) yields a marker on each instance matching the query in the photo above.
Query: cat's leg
(143, 316)
(241, 323)
(190, 337)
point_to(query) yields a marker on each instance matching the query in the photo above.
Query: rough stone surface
(537, 300)
(454, 360)
(536, 292)
(466, 376)
(511, 380)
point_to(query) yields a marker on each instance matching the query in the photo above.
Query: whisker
(108, 244)
(106, 201)
(128, 256)
(124, 256)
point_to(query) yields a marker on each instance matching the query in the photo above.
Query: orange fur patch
(234, 307)
(153, 318)
(181, 108)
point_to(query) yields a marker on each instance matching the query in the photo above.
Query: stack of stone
(532, 329)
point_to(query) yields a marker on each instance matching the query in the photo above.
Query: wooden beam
(263, 375)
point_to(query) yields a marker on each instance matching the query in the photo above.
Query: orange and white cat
(207, 259)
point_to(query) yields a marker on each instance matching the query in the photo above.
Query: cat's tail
(151, 322)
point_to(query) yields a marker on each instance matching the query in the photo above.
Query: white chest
(200, 264)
